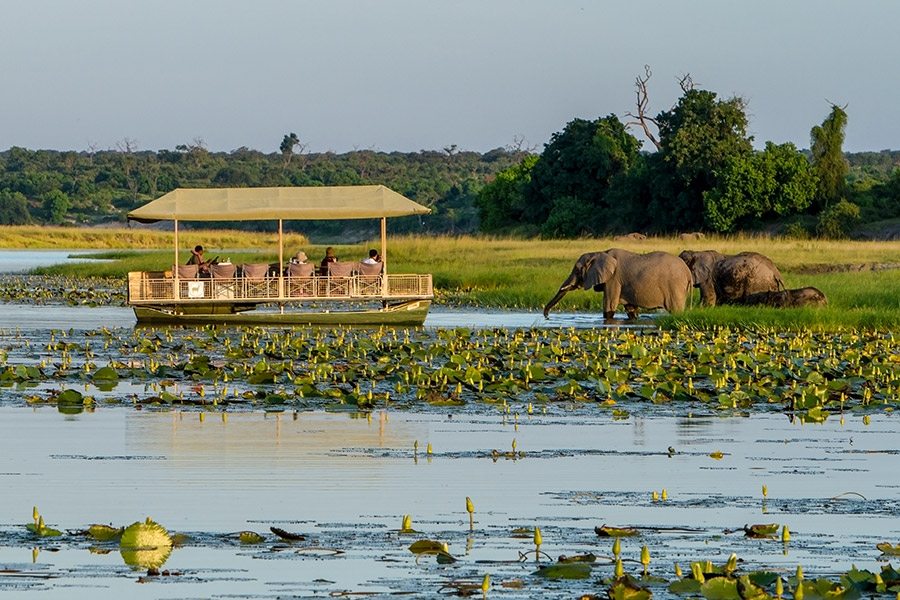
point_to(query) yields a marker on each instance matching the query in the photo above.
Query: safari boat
(280, 294)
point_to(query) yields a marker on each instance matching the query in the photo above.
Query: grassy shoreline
(861, 279)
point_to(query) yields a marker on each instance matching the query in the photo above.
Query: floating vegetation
(811, 377)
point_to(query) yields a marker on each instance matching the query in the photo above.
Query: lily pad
(564, 571)
(105, 533)
(604, 531)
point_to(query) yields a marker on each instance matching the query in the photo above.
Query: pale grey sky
(408, 75)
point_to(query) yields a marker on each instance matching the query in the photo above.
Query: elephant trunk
(562, 292)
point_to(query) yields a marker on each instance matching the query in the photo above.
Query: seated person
(299, 258)
(373, 258)
(329, 258)
(197, 259)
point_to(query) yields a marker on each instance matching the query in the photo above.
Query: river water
(345, 480)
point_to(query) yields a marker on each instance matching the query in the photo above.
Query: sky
(411, 75)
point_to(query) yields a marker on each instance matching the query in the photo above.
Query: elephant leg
(631, 311)
(609, 314)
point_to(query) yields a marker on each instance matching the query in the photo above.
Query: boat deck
(149, 288)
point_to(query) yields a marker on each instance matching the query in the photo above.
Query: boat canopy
(277, 203)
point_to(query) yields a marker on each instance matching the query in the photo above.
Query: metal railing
(153, 287)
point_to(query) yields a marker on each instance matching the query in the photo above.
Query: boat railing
(153, 287)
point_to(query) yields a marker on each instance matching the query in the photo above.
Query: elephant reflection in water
(653, 280)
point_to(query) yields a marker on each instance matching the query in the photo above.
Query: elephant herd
(663, 280)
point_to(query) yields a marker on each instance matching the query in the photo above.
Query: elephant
(630, 237)
(654, 280)
(808, 296)
(723, 278)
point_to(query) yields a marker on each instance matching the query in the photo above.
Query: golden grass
(125, 238)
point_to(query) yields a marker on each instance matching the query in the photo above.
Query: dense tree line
(91, 187)
(592, 178)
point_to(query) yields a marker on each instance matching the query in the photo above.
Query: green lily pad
(250, 537)
(604, 531)
(564, 571)
(720, 588)
(104, 533)
(105, 374)
(147, 545)
(421, 546)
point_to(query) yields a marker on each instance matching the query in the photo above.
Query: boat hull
(410, 313)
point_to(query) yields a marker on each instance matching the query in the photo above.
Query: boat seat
(300, 279)
(370, 283)
(222, 271)
(256, 282)
(223, 280)
(255, 270)
(338, 282)
(188, 271)
(371, 269)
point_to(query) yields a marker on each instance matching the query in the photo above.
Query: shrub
(836, 220)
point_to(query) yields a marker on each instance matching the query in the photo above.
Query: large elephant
(725, 278)
(654, 280)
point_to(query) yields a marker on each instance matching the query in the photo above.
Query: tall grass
(525, 274)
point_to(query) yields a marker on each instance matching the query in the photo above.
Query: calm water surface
(346, 480)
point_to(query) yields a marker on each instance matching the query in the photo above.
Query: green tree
(699, 137)
(827, 141)
(56, 204)
(287, 146)
(578, 165)
(13, 208)
(499, 203)
(775, 182)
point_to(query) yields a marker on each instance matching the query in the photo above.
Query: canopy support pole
(280, 259)
(384, 257)
(177, 293)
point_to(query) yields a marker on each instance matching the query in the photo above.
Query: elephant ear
(600, 270)
(701, 269)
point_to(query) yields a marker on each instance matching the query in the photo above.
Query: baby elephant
(808, 296)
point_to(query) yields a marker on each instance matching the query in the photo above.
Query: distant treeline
(592, 178)
(96, 187)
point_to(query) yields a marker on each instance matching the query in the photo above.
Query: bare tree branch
(643, 100)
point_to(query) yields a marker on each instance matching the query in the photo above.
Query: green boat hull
(411, 313)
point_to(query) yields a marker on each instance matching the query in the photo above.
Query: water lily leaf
(261, 378)
(444, 558)
(250, 537)
(685, 587)
(105, 374)
(887, 548)
(287, 535)
(585, 558)
(105, 533)
(70, 397)
(146, 545)
(748, 590)
(761, 530)
(626, 588)
(830, 590)
(421, 546)
(604, 531)
(720, 588)
(565, 571)
(42, 530)
(145, 535)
